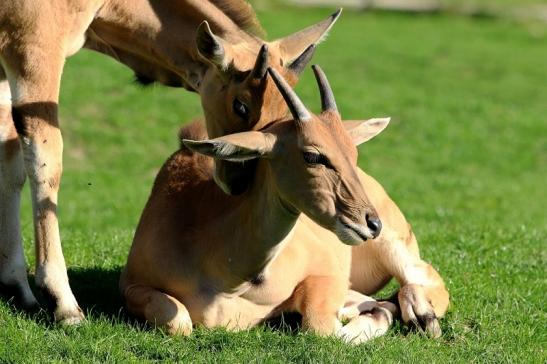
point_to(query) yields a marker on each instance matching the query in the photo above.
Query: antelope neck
(158, 37)
(256, 227)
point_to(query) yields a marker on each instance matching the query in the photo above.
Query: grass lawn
(465, 157)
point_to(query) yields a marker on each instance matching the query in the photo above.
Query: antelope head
(310, 161)
(235, 93)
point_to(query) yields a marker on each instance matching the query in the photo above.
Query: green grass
(465, 158)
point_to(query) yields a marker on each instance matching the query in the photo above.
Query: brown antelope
(197, 258)
(206, 46)
(202, 256)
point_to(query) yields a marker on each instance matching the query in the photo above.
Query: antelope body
(165, 41)
(193, 262)
(201, 256)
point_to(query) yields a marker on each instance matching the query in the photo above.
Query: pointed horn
(297, 108)
(298, 65)
(261, 64)
(328, 103)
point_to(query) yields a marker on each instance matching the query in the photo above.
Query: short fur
(197, 252)
(159, 40)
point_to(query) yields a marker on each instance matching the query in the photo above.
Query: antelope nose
(375, 225)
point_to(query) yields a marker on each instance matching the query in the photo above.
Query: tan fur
(13, 273)
(201, 256)
(423, 297)
(159, 41)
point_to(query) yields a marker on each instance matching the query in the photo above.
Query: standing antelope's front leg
(34, 75)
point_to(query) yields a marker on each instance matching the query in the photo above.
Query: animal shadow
(96, 290)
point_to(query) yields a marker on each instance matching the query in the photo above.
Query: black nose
(375, 225)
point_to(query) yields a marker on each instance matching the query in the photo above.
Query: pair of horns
(296, 106)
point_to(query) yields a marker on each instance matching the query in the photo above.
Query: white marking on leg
(51, 273)
(417, 275)
(366, 326)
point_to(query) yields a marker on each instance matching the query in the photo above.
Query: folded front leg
(318, 299)
(158, 309)
(423, 298)
(367, 317)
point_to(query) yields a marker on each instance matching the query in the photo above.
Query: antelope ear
(211, 47)
(238, 147)
(297, 49)
(364, 130)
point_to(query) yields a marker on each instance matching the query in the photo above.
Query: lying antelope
(202, 256)
(164, 41)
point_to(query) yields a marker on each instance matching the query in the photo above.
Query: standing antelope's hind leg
(13, 269)
(34, 73)
(158, 309)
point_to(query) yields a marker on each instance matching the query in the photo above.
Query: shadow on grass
(96, 290)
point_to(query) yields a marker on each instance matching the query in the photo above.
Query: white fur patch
(365, 327)
(417, 275)
(348, 236)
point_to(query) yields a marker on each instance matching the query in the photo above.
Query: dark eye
(240, 109)
(316, 158)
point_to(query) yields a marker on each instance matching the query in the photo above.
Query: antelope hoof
(427, 323)
(70, 317)
(179, 328)
(417, 311)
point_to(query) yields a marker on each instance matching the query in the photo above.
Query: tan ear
(364, 130)
(211, 47)
(296, 49)
(237, 147)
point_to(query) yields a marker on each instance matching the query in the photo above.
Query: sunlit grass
(465, 158)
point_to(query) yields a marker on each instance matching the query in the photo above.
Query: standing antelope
(165, 41)
(202, 256)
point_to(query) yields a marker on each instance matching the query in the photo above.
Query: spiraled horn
(328, 103)
(297, 108)
(261, 64)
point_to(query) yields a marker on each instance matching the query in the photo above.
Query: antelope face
(235, 92)
(311, 163)
(320, 177)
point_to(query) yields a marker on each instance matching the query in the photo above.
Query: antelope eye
(240, 109)
(315, 158)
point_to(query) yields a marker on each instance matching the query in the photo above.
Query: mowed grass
(465, 158)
